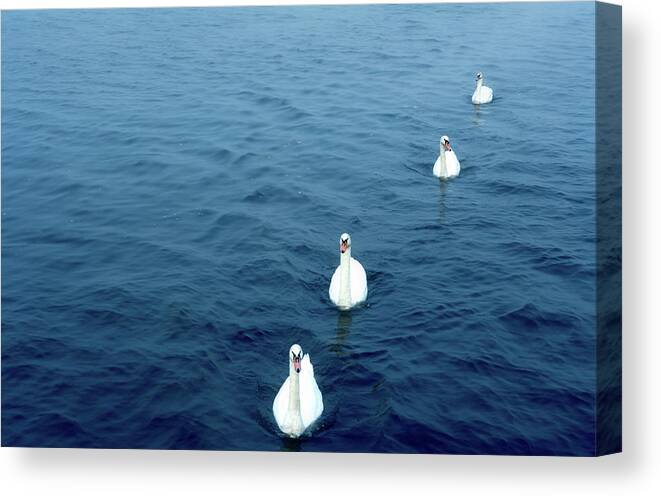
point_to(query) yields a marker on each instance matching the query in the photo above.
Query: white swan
(482, 94)
(447, 165)
(298, 403)
(348, 287)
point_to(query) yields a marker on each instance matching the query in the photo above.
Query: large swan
(482, 94)
(348, 286)
(298, 403)
(447, 165)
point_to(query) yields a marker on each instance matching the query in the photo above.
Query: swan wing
(488, 94)
(437, 167)
(452, 162)
(312, 403)
(358, 282)
(334, 288)
(281, 404)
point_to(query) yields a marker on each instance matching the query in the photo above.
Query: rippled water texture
(174, 184)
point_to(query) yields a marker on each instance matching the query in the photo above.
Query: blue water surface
(174, 185)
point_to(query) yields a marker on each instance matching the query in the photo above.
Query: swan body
(482, 94)
(348, 286)
(447, 164)
(298, 402)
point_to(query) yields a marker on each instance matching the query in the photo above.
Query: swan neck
(444, 167)
(479, 84)
(345, 279)
(294, 391)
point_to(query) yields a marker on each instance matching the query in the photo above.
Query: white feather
(358, 284)
(311, 401)
(452, 166)
(482, 94)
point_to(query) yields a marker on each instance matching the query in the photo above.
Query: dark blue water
(174, 184)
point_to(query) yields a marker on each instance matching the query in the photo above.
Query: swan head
(479, 76)
(345, 243)
(445, 143)
(295, 357)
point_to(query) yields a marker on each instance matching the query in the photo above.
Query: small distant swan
(298, 403)
(447, 165)
(348, 286)
(483, 94)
